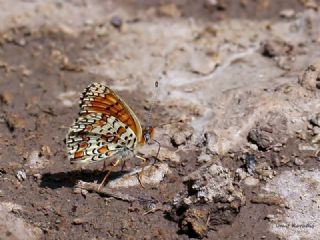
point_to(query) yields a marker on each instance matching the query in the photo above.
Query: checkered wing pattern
(98, 98)
(106, 128)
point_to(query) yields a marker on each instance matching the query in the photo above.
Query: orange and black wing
(98, 98)
(95, 137)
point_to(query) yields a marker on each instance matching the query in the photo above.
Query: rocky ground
(237, 115)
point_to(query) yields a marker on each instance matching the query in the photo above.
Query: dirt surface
(237, 117)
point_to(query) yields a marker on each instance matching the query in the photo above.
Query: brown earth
(36, 66)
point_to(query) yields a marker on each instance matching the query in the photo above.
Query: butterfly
(107, 129)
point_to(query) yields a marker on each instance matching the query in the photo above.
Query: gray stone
(251, 181)
(153, 175)
(21, 175)
(298, 162)
(311, 76)
(214, 183)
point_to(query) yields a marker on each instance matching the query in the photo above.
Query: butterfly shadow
(70, 179)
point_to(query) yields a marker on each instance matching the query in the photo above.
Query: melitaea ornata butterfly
(107, 128)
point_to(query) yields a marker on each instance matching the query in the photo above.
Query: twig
(104, 191)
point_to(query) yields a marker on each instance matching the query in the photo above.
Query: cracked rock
(181, 135)
(310, 79)
(270, 131)
(276, 47)
(261, 138)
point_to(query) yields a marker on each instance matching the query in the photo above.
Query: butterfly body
(107, 129)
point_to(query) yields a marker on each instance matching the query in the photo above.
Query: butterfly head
(147, 135)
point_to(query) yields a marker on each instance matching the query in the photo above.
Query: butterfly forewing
(98, 98)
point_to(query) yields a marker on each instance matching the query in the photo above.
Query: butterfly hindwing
(91, 148)
(95, 136)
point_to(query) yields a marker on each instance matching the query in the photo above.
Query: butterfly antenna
(149, 117)
(156, 95)
(153, 103)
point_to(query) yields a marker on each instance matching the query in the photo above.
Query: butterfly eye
(147, 137)
(147, 134)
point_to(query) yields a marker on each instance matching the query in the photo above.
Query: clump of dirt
(311, 77)
(211, 199)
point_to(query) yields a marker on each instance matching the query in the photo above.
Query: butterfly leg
(140, 174)
(123, 165)
(108, 174)
(104, 165)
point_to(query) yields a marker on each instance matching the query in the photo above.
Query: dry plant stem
(104, 191)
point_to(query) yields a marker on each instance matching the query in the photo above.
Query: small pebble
(178, 138)
(26, 72)
(84, 192)
(37, 176)
(276, 162)
(21, 175)
(241, 174)
(316, 130)
(211, 3)
(89, 22)
(187, 201)
(270, 216)
(315, 120)
(6, 97)
(116, 22)
(302, 135)
(287, 13)
(45, 151)
(298, 162)
(250, 163)
(316, 139)
(21, 42)
(169, 10)
(78, 221)
(77, 190)
(265, 173)
(251, 181)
